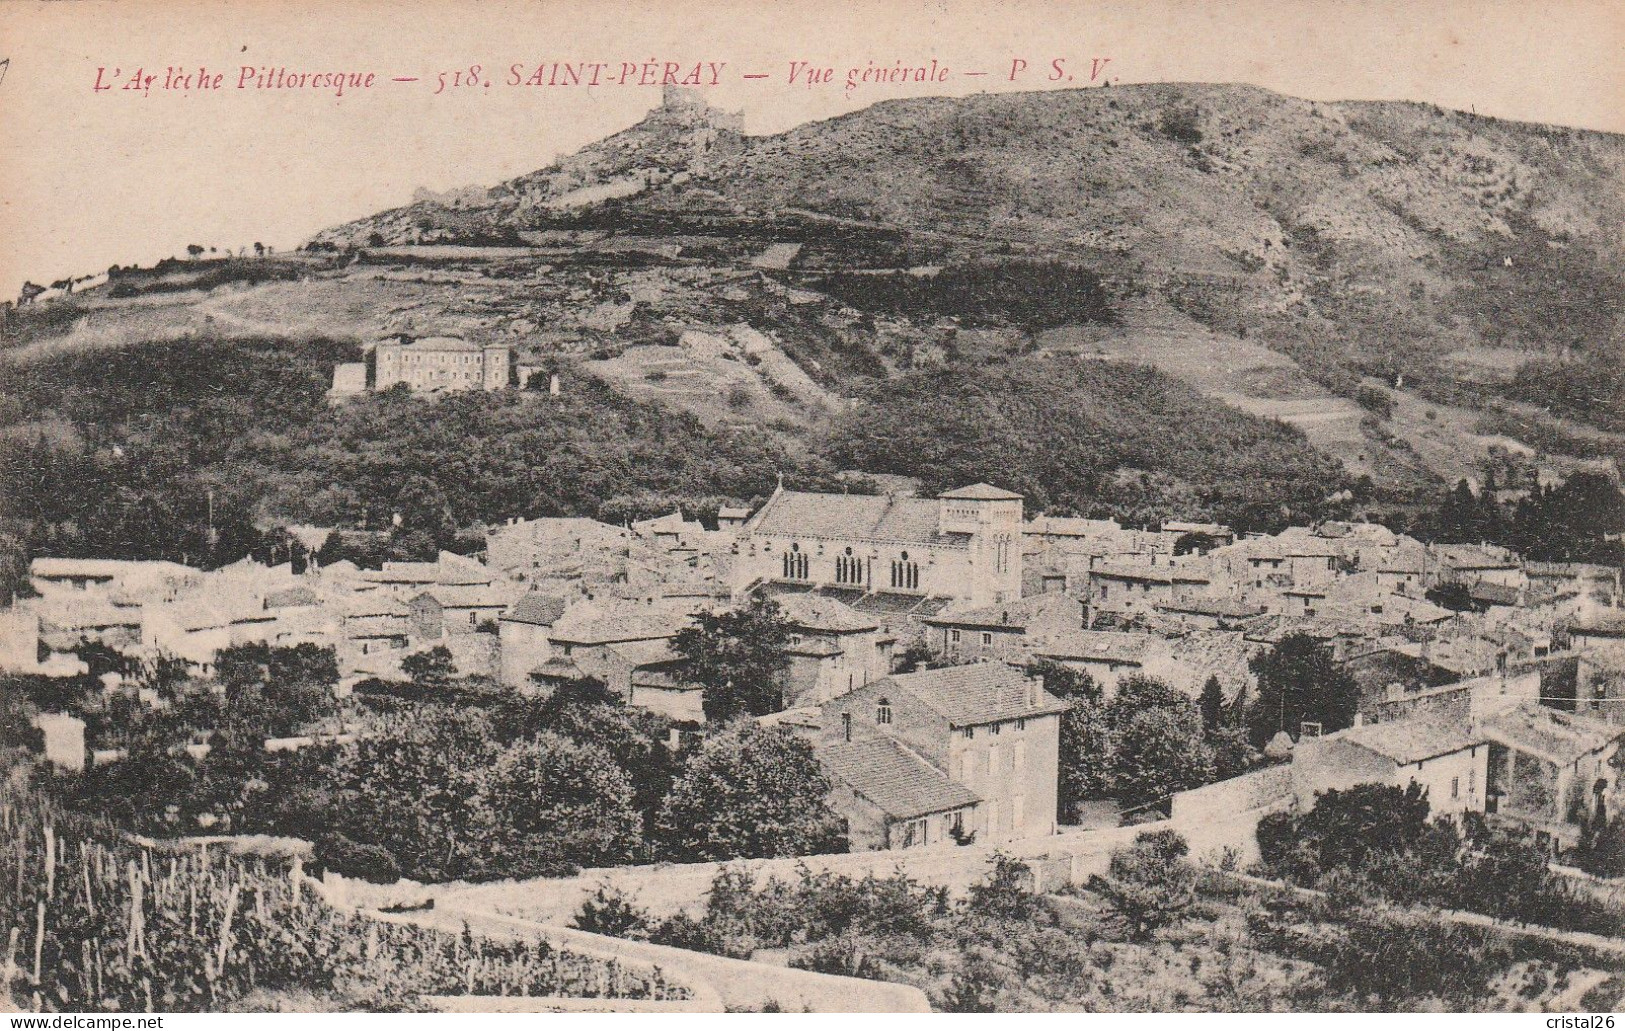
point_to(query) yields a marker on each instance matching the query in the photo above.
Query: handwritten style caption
(190, 80)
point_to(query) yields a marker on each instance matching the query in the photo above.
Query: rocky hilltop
(1311, 223)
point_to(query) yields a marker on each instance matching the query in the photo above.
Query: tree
(738, 657)
(194, 251)
(1064, 682)
(1298, 682)
(749, 792)
(259, 249)
(417, 790)
(1212, 704)
(560, 805)
(1158, 751)
(1149, 883)
(1006, 892)
(1085, 752)
(431, 671)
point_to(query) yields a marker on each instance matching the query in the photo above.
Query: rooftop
(980, 492)
(978, 693)
(876, 517)
(1412, 740)
(1558, 737)
(902, 784)
(537, 609)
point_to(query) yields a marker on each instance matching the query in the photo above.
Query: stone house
(1529, 764)
(1009, 631)
(523, 632)
(984, 726)
(833, 649)
(441, 364)
(1139, 588)
(890, 797)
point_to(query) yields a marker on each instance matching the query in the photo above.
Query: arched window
(905, 574)
(795, 563)
(848, 568)
(883, 712)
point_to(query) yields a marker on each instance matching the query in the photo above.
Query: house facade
(984, 726)
(434, 364)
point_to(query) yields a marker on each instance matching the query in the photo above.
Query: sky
(90, 177)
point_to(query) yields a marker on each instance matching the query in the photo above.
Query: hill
(1398, 232)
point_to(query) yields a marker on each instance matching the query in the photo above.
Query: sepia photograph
(834, 506)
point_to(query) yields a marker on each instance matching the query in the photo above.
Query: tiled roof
(290, 597)
(1412, 740)
(614, 629)
(1557, 737)
(982, 692)
(896, 780)
(981, 492)
(1108, 645)
(1013, 614)
(466, 596)
(1493, 593)
(815, 612)
(1604, 623)
(1221, 607)
(1188, 573)
(645, 653)
(442, 344)
(851, 517)
(536, 609)
(99, 567)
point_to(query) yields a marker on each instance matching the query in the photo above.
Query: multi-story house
(982, 728)
(441, 364)
(1009, 631)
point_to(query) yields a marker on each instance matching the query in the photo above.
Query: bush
(611, 911)
(1149, 883)
(1006, 893)
(372, 863)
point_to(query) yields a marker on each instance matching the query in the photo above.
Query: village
(916, 627)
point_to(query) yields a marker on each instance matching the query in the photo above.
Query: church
(964, 545)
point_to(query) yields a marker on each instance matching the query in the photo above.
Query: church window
(905, 574)
(795, 563)
(848, 568)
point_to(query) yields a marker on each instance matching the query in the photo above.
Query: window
(905, 574)
(1020, 764)
(1021, 724)
(953, 635)
(993, 759)
(883, 712)
(914, 833)
(1472, 782)
(994, 728)
(969, 732)
(795, 563)
(1455, 787)
(848, 568)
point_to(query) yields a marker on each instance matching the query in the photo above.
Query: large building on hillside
(441, 364)
(964, 545)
